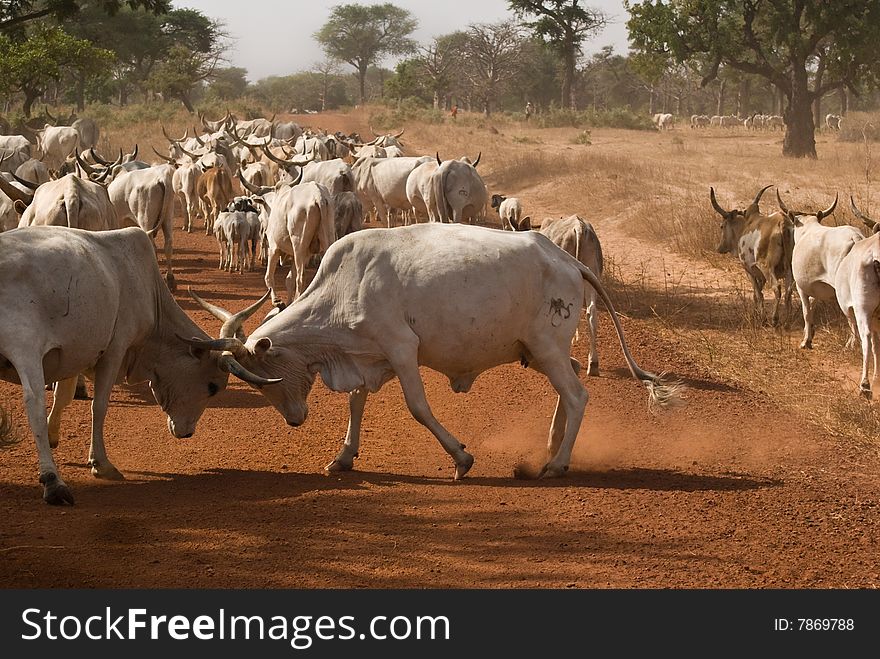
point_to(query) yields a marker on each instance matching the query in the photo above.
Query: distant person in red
(454, 111)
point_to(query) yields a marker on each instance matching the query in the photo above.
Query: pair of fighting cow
(793, 248)
(77, 301)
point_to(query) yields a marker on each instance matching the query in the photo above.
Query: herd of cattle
(83, 292)
(793, 249)
(755, 121)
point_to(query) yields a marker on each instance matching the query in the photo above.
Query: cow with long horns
(459, 192)
(818, 252)
(763, 244)
(121, 323)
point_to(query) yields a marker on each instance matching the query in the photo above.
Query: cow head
(183, 386)
(798, 217)
(496, 200)
(734, 221)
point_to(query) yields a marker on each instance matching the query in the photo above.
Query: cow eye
(212, 389)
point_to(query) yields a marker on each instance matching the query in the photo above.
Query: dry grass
(7, 429)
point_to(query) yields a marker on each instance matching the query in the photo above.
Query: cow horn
(14, 193)
(761, 192)
(272, 120)
(171, 139)
(234, 323)
(723, 213)
(828, 210)
(191, 155)
(27, 184)
(49, 114)
(86, 167)
(400, 133)
(196, 137)
(439, 162)
(230, 364)
(131, 156)
(373, 131)
(218, 312)
(864, 218)
(781, 203)
(165, 158)
(231, 345)
(253, 189)
(477, 161)
(98, 159)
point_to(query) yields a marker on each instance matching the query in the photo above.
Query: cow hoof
(55, 491)
(462, 468)
(807, 345)
(107, 472)
(340, 464)
(81, 393)
(594, 369)
(54, 437)
(552, 471)
(865, 392)
(172, 283)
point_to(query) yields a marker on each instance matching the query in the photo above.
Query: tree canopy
(361, 35)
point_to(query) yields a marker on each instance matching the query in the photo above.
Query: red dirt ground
(728, 491)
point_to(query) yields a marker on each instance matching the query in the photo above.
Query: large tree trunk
(80, 92)
(652, 104)
(30, 97)
(817, 104)
(843, 92)
(719, 110)
(568, 66)
(362, 83)
(800, 139)
(184, 98)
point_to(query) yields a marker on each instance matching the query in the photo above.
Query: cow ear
(19, 206)
(262, 346)
(525, 224)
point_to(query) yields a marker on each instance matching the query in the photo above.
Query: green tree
(778, 40)
(564, 25)
(228, 83)
(362, 35)
(14, 13)
(494, 56)
(182, 71)
(31, 65)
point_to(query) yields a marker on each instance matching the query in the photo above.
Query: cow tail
(158, 225)
(439, 185)
(660, 392)
(327, 231)
(72, 206)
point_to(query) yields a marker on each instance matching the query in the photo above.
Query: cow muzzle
(181, 430)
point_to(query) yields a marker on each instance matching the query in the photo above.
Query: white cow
(301, 224)
(857, 286)
(146, 196)
(419, 192)
(817, 255)
(426, 309)
(459, 192)
(66, 202)
(510, 210)
(833, 121)
(56, 144)
(95, 302)
(335, 175)
(381, 183)
(349, 213)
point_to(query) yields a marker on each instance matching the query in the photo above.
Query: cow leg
(105, 375)
(558, 424)
(808, 306)
(344, 460)
(560, 370)
(64, 394)
(167, 231)
(269, 279)
(776, 285)
(81, 392)
(866, 336)
(758, 294)
(33, 384)
(405, 365)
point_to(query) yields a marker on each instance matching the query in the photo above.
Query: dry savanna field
(767, 477)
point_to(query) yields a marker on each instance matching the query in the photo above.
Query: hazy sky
(272, 37)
